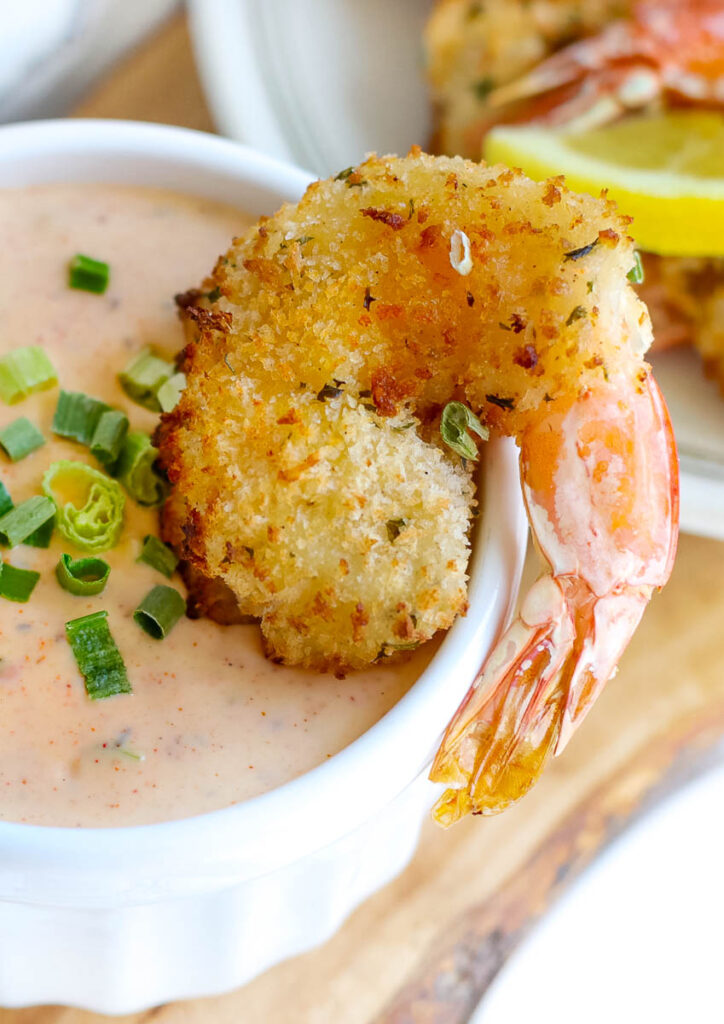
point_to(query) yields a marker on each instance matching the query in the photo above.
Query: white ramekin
(119, 919)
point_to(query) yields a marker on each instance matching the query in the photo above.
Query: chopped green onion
(17, 584)
(6, 502)
(97, 656)
(636, 273)
(23, 372)
(83, 577)
(108, 437)
(77, 416)
(158, 555)
(88, 275)
(20, 438)
(456, 420)
(143, 376)
(89, 505)
(159, 611)
(41, 537)
(170, 392)
(20, 522)
(136, 473)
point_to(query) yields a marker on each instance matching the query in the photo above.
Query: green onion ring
(95, 525)
(84, 577)
(136, 472)
(159, 611)
(158, 555)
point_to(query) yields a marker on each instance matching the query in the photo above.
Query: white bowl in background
(119, 919)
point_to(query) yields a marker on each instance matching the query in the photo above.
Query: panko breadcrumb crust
(307, 468)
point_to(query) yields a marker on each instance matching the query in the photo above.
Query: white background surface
(638, 938)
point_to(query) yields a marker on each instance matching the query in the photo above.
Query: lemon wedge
(665, 170)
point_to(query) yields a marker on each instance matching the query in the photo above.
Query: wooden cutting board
(424, 948)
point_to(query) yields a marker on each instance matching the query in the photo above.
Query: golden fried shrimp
(473, 48)
(337, 331)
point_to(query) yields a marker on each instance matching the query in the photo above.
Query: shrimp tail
(526, 703)
(606, 554)
(500, 738)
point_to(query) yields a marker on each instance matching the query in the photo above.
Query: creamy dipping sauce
(210, 721)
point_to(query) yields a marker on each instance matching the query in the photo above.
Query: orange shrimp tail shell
(600, 479)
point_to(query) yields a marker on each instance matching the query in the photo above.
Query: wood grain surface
(470, 893)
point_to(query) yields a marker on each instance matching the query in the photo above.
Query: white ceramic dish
(322, 82)
(116, 920)
(638, 937)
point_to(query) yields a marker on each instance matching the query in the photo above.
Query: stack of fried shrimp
(308, 471)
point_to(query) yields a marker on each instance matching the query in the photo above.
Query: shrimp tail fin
(541, 680)
(497, 744)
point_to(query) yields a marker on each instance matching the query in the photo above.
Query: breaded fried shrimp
(311, 478)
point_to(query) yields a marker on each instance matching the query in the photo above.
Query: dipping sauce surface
(210, 721)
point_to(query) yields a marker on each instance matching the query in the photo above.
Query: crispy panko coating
(344, 532)
(472, 47)
(308, 471)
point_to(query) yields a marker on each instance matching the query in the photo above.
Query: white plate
(638, 938)
(322, 82)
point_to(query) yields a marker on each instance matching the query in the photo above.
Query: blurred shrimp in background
(575, 65)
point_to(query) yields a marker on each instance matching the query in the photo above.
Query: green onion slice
(136, 471)
(17, 584)
(20, 438)
(25, 371)
(89, 505)
(108, 437)
(143, 377)
(88, 275)
(158, 555)
(41, 537)
(170, 392)
(636, 273)
(77, 416)
(6, 502)
(19, 523)
(84, 577)
(97, 656)
(159, 611)
(456, 420)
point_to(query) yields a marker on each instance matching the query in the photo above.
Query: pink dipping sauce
(210, 722)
